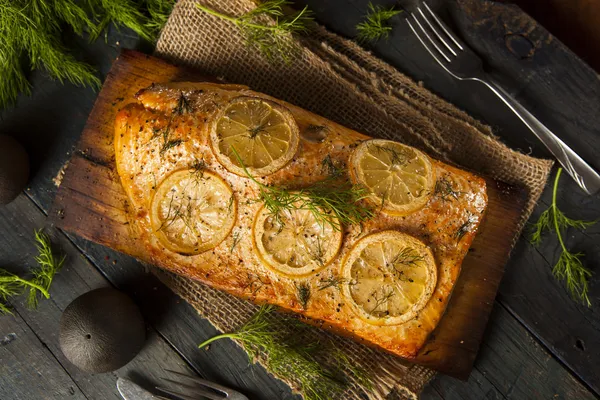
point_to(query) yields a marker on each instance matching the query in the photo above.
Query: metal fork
(463, 64)
(201, 387)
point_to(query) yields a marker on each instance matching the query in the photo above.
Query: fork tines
(433, 34)
(215, 391)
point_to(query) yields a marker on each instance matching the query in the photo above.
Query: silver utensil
(463, 64)
(132, 391)
(201, 388)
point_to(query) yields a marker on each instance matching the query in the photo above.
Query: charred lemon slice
(294, 243)
(263, 133)
(192, 211)
(399, 177)
(390, 276)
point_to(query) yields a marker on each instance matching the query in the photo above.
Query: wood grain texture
(511, 365)
(91, 203)
(574, 22)
(78, 277)
(23, 358)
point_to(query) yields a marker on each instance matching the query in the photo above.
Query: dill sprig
(329, 201)
(32, 30)
(237, 238)
(569, 268)
(376, 24)
(332, 281)
(273, 39)
(48, 265)
(397, 158)
(464, 228)
(379, 301)
(168, 145)
(315, 368)
(445, 190)
(331, 169)
(408, 257)
(303, 293)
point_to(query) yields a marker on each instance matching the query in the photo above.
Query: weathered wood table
(539, 343)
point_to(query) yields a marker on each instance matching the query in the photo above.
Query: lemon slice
(399, 177)
(295, 244)
(192, 211)
(263, 133)
(390, 276)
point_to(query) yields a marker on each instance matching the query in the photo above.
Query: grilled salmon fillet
(447, 224)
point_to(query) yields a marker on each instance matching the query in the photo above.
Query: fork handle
(585, 176)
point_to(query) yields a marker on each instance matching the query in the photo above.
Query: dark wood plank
(564, 93)
(511, 365)
(182, 327)
(17, 249)
(574, 22)
(28, 369)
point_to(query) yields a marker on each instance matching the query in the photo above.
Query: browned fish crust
(447, 224)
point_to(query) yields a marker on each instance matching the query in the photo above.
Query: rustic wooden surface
(92, 204)
(574, 22)
(538, 343)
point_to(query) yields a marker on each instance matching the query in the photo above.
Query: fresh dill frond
(376, 24)
(318, 253)
(255, 283)
(31, 33)
(314, 367)
(303, 293)
(183, 105)
(408, 257)
(198, 166)
(168, 145)
(397, 158)
(331, 169)
(381, 300)
(569, 268)
(122, 12)
(159, 11)
(329, 201)
(48, 265)
(237, 237)
(464, 228)
(445, 190)
(273, 39)
(10, 285)
(332, 281)
(230, 203)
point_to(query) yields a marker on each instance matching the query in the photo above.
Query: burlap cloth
(336, 78)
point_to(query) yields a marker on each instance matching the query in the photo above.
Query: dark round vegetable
(14, 169)
(101, 330)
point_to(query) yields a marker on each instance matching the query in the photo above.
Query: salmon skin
(446, 224)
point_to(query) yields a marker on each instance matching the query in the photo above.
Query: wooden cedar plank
(17, 249)
(27, 368)
(452, 347)
(455, 342)
(511, 365)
